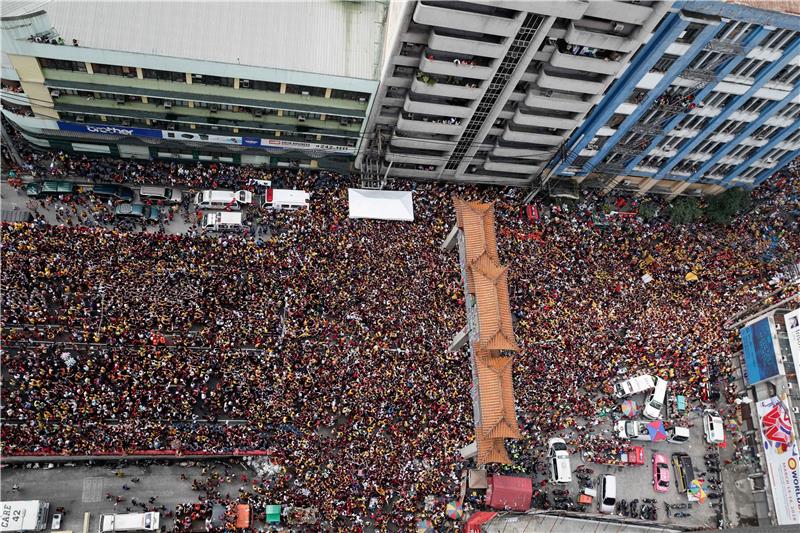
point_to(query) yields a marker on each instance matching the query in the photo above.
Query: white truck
(637, 430)
(129, 522)
(286, 199)
(27, 515)
(632, 386)
(228, 200)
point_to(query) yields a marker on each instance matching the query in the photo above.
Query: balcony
(442, 110)
(412, 173)
(422, 126)
(517, 168)
(531, 138)
(446, 90)
(558, 102)
(420, 144)
(584, 63)
(465, 46)
(619, 11)
(532, 118)
(532, 154)
(549, 81)
(598, 40)
(414, 158)
(456, 19)
(448, 68)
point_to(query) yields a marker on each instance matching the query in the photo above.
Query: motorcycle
(714, 495)
(583, 470)
(633, 507)
(681, 514)
(561, 492)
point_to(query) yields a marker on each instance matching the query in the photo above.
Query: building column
(145, 100)
(646, 186)
(189, 78)
(235, 83)
(450, 241)
(314, 163)
(277, 133)
(89, 69)
(139, 73)
(678, 190)
(191, 104)
(103, 118)
(459, 340)
(283, 88)
(328, 93)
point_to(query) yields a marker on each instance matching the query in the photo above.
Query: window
(60, 64)
(164, 75)
(113, 70)
(212, 80)
(305, 90)
(259, 85)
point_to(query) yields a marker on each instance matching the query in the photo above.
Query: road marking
(92, 490)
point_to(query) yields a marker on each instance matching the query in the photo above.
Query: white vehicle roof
(219, 196)
(225, 217)
(634, 385)
(290, 197)
(19, 515)
(130, 521)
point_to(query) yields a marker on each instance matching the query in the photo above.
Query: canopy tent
(509, 493)
(381, 205)
(273, 514)
(242, 516)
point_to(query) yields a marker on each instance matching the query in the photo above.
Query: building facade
(769, 398)
(487, 92)
(259, 83)
(712, 101)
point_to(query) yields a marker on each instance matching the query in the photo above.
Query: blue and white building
(711, 101)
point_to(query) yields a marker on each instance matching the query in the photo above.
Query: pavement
(635, 481)
(81, 489)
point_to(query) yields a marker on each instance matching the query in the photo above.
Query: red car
(660, 473)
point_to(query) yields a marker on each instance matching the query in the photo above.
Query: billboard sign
(316, 149)
(783, 459)
(760, 345)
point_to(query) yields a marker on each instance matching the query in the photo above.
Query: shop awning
(510, 493)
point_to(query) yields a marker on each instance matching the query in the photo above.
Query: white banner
(783, 459)
(792, 321)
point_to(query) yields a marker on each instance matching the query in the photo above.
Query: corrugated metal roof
(334, 37)
(16, 8)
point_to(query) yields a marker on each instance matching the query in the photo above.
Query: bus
(129, 522)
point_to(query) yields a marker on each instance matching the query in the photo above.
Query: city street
(81, 489)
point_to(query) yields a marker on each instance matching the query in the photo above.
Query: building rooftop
(333, 37)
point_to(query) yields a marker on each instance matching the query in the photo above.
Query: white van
(632, 386)
(222, 221)
(165, 194)
(652, 408)
(129, 522)
(712, 427)
(608, 494)
(558, 457)
(286, 199)
(228, 200)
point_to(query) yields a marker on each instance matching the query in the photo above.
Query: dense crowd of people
(328, 344)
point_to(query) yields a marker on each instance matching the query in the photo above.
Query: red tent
(477, 520)
(509, 493)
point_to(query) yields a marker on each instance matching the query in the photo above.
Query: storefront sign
(783, 459)
(315, 149)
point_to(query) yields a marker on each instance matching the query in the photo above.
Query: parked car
(44, 188)
(660, 473)
(608, 494)
(165, 194)
(137, 210)
(654, 404)
(114, 191)
(712, 427)
(637, 430)
(558, 457)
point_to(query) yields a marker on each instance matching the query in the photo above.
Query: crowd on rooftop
(328, 344)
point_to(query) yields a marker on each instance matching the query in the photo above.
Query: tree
(724, 206)
(648, 211)
(684, 210)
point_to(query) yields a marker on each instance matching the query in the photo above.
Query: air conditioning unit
(171, 127)
(244, 84)
(362, 99)
(167, 104)
(213, 108)
(258, 112)
(80, 118)
(301, 118)
(126, 123)
(55, 94)
(789, 386)
(618, 27)
(796, 410)
(344, 122)
(120, 99)
(305, 93)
